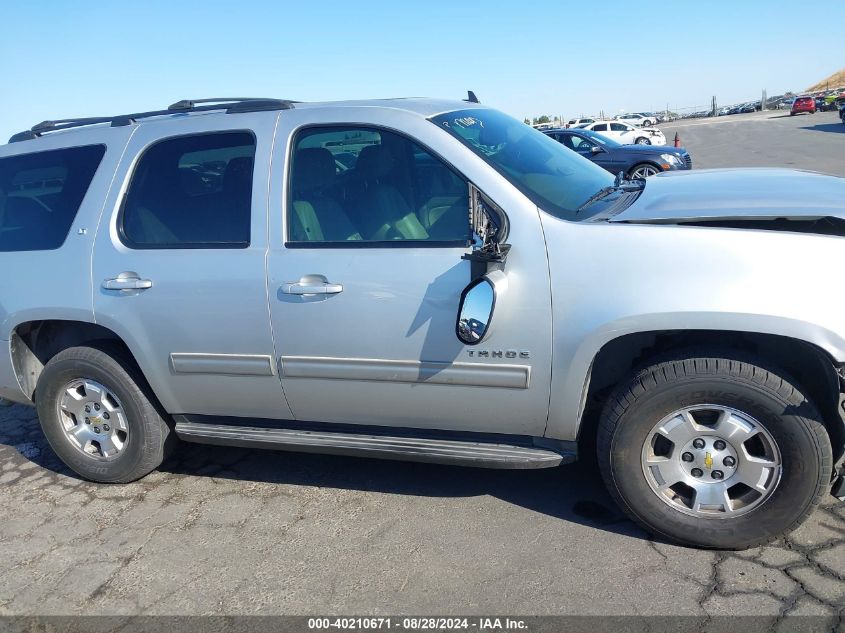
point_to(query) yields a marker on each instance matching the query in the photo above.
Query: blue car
(635, 161)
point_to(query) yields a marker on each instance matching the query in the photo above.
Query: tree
(542, 119)
(527, 121)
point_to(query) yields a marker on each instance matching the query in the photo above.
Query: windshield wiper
(606, 191)
(598, 195)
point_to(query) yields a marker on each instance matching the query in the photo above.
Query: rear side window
(40, 195)
(191, 192)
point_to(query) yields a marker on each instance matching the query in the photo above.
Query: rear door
(179, 263)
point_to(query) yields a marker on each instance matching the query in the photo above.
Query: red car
(803, 104)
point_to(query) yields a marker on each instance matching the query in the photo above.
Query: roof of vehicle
(423, 107)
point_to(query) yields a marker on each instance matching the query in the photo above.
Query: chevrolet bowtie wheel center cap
(709, 458)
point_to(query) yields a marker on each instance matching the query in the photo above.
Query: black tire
(150, 437)
(744, 384)
(642, 141)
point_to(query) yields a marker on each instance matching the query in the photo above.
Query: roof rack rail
(230, 105)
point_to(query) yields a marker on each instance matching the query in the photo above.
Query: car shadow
(826, 127)
(572, 493)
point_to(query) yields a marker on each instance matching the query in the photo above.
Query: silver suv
(426, 280)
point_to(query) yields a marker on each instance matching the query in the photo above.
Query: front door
(365, 278)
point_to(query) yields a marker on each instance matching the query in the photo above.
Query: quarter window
(192, 192)
(354, 186)
(41, 193)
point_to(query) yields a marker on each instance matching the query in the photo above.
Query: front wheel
(644, 170)
(642, 141)
(715, 452)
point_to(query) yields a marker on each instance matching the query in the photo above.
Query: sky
(63, 58)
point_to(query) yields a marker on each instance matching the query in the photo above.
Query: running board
(440, 451)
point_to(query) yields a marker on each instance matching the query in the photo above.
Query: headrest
(238, 174)
(313, 168)
(374, 162)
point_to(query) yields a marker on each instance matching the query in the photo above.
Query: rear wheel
(714, 452)
(97, 416)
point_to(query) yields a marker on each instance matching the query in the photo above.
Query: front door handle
(312, 285)
(128, 280)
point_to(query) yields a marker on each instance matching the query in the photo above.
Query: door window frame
(130, 178)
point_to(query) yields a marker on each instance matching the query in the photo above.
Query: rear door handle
(128, 280)
(312, 285)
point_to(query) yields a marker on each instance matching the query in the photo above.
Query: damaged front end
(838, 481)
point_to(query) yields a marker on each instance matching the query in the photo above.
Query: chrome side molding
(232, 364)
(405, 371)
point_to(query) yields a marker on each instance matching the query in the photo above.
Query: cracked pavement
(233, 531)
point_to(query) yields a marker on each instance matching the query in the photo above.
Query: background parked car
(636, 161)
(635, 118)
(579, 122)
(803, 104)
(626, 133)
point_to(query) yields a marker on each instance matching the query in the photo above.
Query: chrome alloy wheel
(93, 419)
(711, 461)
(644, 171)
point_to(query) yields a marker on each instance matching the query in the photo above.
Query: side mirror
(478, 301)
(595, 149)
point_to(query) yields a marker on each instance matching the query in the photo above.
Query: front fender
(609, 281)
(567, 405)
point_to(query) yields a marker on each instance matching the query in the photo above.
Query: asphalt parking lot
(764, 139)
(232, 531)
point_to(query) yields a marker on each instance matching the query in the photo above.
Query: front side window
(554, 178)
(580, 144)
(191, 192)
(41, 193)
(354, 186)
(619, 127)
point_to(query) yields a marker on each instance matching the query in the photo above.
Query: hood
(738, 196)
(654, 149)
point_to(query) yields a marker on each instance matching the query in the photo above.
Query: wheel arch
(813, 368)
(34, 343)
(640, 163)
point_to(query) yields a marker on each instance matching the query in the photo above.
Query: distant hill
(834, 81)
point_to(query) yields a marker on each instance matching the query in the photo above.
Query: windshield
(553, 177)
